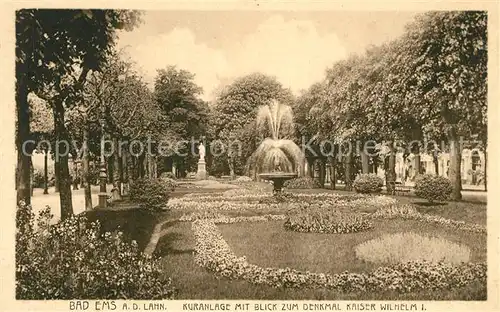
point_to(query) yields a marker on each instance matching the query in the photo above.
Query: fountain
(277, 159)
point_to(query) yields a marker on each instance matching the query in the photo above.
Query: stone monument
(201, 174)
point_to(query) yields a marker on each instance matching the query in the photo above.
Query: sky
(219, 46)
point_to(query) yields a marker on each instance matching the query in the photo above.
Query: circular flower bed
(327, 222)
(405, 247)
(214, 254)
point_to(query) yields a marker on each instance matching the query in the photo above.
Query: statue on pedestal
(201, 174)
(201, 148)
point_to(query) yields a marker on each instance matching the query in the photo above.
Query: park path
(158, 232)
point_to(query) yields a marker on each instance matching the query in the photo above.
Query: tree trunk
(56, 176)
(348, 170)
(125, 175)
(455, 164)
(436, 163)
(23, 134)
(131, 173)
(144, 166)
(150, 166)
(484, 169)
(310, 168)
(136, 172)
(365, 162)
(418, 167)
(155, 167)
(333, 163)
(110, 169)
(85, 170)
(322, 172)
(75, 173)
(65, 196)
(231, 165)
(32, 175)
(117, 184)
(82, 184)
(45, 172)
(391, 170)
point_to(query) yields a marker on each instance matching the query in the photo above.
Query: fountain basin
(278, 179)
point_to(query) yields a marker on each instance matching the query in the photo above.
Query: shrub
(432, 187)
(151, 194)
(368, 183)
(73, 260)
(169, 175)
(405, 247)
(302, 183)
(243, 179)
(168, 183)
(38, 179)
(318, 221)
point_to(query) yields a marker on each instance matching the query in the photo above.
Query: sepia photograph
(325, 155)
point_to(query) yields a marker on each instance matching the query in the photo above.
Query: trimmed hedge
(433, 187)
(368, 183)
(151, 194)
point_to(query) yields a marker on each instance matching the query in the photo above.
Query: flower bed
(332, 223)
(214, 254)
(294, 201)
(219, 218)
(409, 212)
(76, 259)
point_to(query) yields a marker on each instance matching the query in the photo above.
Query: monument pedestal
(201, 174)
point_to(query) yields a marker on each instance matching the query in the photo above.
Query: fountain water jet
(277, 159)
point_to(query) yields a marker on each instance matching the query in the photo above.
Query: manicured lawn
(268, 244)
(136, 224)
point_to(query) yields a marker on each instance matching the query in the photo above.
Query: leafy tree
(55, 50)
(184, 114)
(42, 130)
(449, 53)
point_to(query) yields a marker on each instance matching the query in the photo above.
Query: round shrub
(330, 222)
(73, 259)
(405, 247)
(169, 184)
(243, 179)
(302, 183)
(169, 175)
(151, 194)
(368, 183)
(432, 187)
